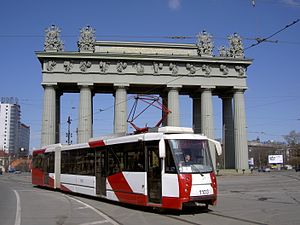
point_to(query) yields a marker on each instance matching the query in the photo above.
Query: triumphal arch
(165, 69)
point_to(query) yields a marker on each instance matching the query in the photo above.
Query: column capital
(49, 85)
(121, 85)
(174, 86)
(239, 89)
(85, 84)
(206, 87)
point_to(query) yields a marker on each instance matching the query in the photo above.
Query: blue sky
(272, 98)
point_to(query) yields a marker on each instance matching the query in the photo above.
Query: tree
(293, 138)
(293, 151)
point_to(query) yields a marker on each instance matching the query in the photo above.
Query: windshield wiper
(195, 167)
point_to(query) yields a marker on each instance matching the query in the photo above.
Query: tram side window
(170, 164)
(68, 163)
(80, 161)
(85, 162)
(135, 157)
(130, 156)
(65, 162)
(49, 162)
(38, 161)
(115, 161)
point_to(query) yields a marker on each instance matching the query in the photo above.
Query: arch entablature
(148, 64)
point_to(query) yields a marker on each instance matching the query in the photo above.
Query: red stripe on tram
(121, 187)
(97, 143)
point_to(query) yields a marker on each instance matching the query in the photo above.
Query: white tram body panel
(79, 184)
(201, 185)
(170, 185)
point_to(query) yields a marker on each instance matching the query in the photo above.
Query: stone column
(85, 124)
(164, 98)
(48, 135)
(240, 132)
(173, 105)
(207, 119)
(197, 113)
(120, 110)
(57, 135)
(228, 134)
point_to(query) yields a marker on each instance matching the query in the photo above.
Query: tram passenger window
(72, 162)
(68, 162)
(170, 164)
(38, 161)
(49, 162)
(65, 162)
(134, 158)
(85, 162)
(113, 162)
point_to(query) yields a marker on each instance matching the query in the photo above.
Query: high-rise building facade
(13, 133)
(24, 137)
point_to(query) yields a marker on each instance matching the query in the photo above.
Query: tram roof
(153, 134)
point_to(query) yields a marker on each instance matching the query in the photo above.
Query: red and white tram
(165, 169)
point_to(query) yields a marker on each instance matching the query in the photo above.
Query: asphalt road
(261, 198)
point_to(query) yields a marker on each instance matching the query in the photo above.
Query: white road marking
(96, 222)
(83, 207)
(107, 219)
(18, 210)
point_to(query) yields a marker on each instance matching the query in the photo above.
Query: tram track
(293, 177)
(215, 214)
(237, 219)
(113, 220)
(100, 212)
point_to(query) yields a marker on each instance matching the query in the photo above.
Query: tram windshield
(191, 156)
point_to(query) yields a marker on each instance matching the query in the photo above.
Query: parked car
(297, 168)
(264, 169)
(287, 167)
(11, 170)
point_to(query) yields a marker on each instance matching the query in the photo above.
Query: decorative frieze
(139, 68)
(68, 66)
(157, 67)
(240, 70)
(191, 68)
(103, 66)
(84, 65)
(206, 69)
(121, 66)
(173, 68)
(224, 69)
(145, 68)
(50, 65)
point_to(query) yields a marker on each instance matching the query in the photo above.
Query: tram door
(101, 172)
(153, 174)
